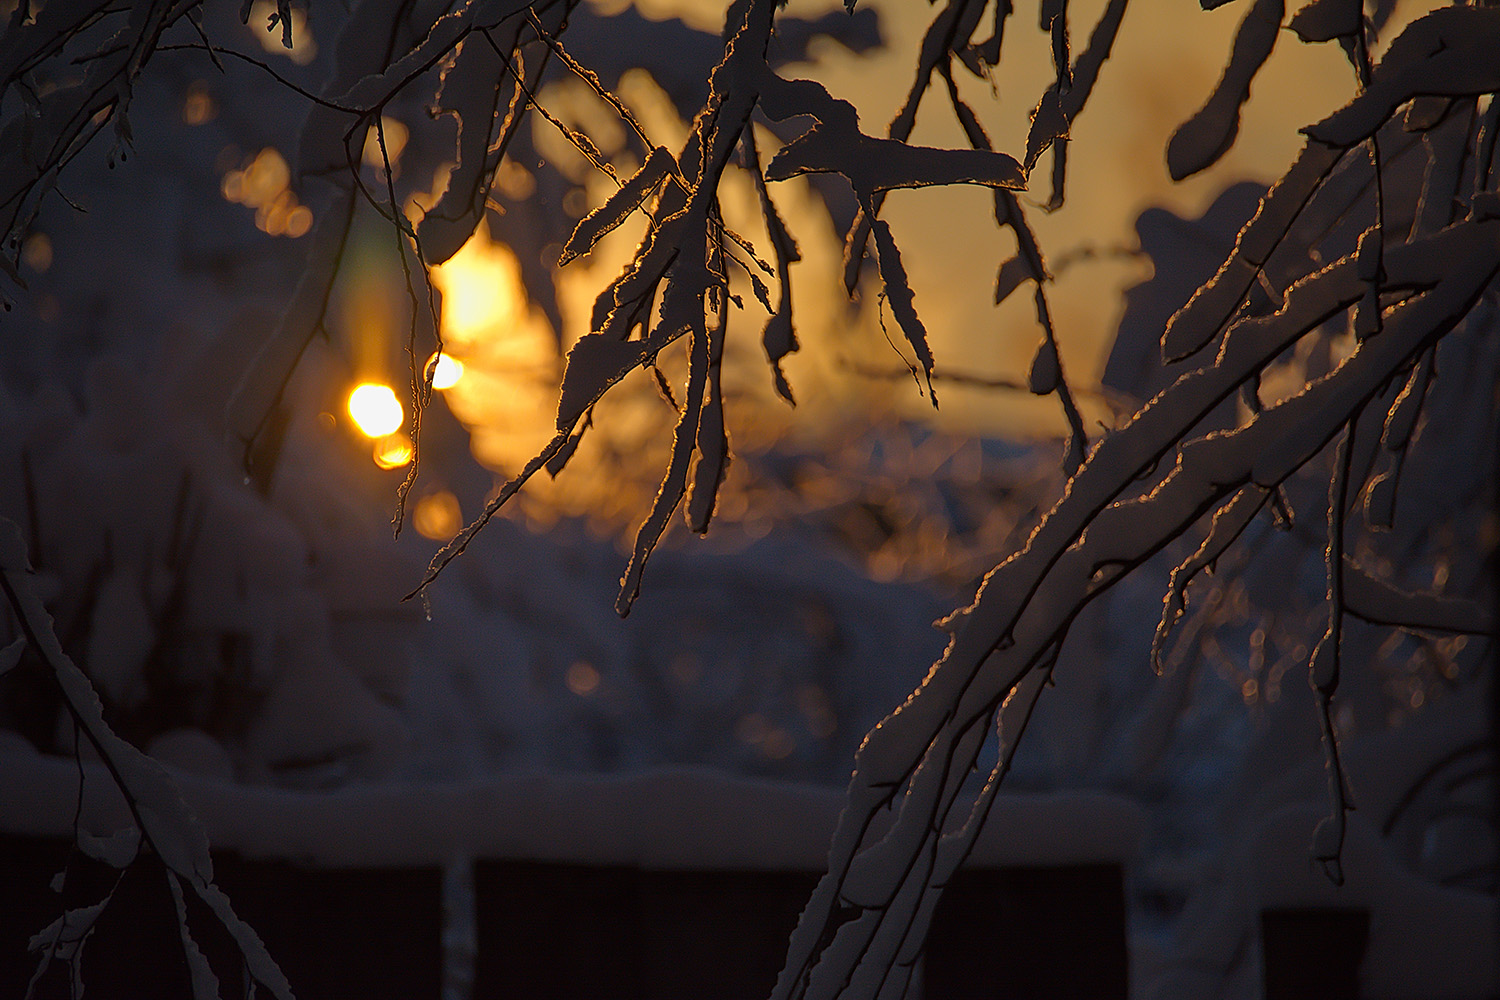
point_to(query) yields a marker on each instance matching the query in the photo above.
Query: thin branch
(1050, 357)
(589, 77)
(1381, 603)
(421, 375)
(1328, 838)
(164, 820)
(214, 51)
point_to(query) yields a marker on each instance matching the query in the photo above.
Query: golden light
(507, 393)
(263, 184)
(438, 516)
(396, 135)
(376, 410)
(393, 451)
(303, 47)
(261, 181)
(446, 371)
(480, 286)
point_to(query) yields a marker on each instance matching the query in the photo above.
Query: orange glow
(396, 135)
(392, 451)
(376, 411)
(263, 184)
(481, 288)
(506, 394)
(778, 744)
(446, 371)
(261, 181)
(303, 47)
(36, 252)
(437, 516)
(198, 106)
(582, 678)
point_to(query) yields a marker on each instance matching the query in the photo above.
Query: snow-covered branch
(163, 821)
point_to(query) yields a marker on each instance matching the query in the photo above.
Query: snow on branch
(163, 821)
(1352, 236)
(919, 757)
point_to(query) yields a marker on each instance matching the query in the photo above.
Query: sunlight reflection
(375, 409)
(393, 451)
(481, 289)
(446, 370)
(505, 388)
(858, 483)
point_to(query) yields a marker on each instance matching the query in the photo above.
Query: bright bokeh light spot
(376, 410)
(392, 451)
(514, 180)
(395, 134)
(303, 47)
(446, 371)
(299, 220)
(511, 365)
(263, 184)
(437, 516)
(477, 285)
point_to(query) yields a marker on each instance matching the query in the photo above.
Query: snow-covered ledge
(671, 818)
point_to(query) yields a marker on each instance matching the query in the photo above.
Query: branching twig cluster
(163, 822)
(1412, 253)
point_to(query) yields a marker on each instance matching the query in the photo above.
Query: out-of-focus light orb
(392, 451)
(446, 371)
(36, 252)
(475, 282)
(375, 409)
(582, 678)
(263, 184)
(438, 516)
(303, 49)
(198, 106)
(395, 135)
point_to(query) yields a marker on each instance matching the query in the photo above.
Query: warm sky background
(1166, 61)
